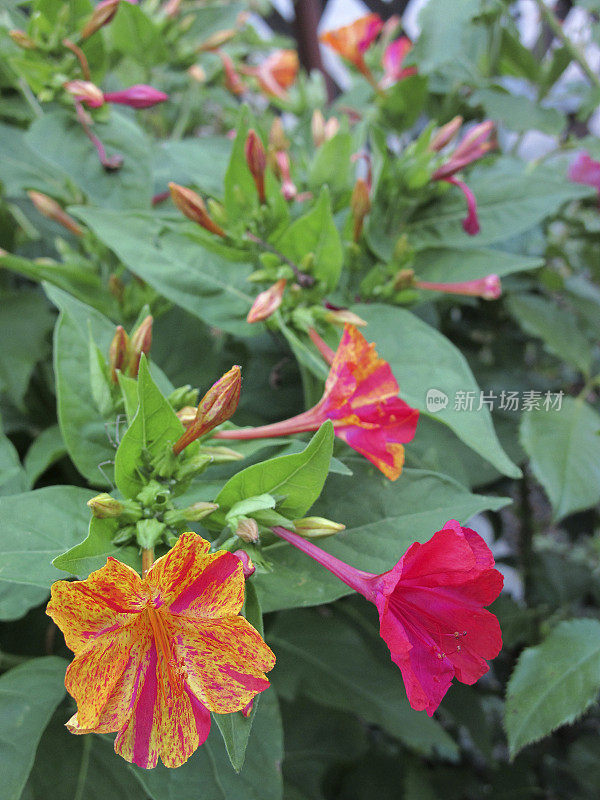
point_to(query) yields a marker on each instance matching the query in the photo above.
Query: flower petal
(225, 661)
(103, 670)
(109, 599)
(195, 584)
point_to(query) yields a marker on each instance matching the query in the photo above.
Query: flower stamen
(165, 652)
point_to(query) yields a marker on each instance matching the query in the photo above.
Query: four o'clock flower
(154, 655)
(471, 148)
(361, 400)
(217, 405)
(393, 58)
(431, 608)
(276, 73)
(585, 170)
(352, 41)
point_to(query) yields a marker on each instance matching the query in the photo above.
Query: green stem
(83, 768)
(548, 17)
(526, 537)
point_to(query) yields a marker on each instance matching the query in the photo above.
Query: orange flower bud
(50, 208)
(217, 39)
(247, 530)
(192, 205)
(87, 92)
(317, 127)
(343, 316)
(277, 138)
(360, 203)
(197, 73)
(256, 158)
(267, 302)
(102, 15)
(141, 341)
(404, 279)
(332, 126)
(21, 38)
(116, 287)
(118, 354)
(445, 134)
(217, 405)
(232, 80)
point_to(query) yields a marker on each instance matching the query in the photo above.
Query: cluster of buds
(280, 160)
(125, 353)
(194, 208)
(138, 96)
(216, 407)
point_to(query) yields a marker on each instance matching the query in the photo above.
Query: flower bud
(104, 506)
(198, 511)
(116, 287)
(247, 709)
(317, 127)
(217, 405)
(247, 530)
(192, 205)
(184, 397)
(86, 92)
(267, 302)
(141, 341)
(404, 279)
(249, 569)
(102, 15)
(21, 38)
(445, 134)
(360, 203)
(186, 415)
(149, 532)
(277, 138)
(197, 73)
(317, 527)
(50, 208)
(256, 158)
(232, 80)
(221, 455)
(332, 126)
(343, 316)
(217, 39)
(118, 353)
(138, 96)
(288, 188)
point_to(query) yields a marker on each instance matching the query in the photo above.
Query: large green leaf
(45, 450)
(438, 44)
(35, 527)
(315, 233)
(517, 112)
(330, 661)
(564, 447)
(28, 696)
(185, 271)
(209, 775)
(136, 35)
(61, 140)
(402, 339)
(556, 326)
(446, 265)
(200, 162)
(26, 168)
(299, 478)
(154, 427)
(553, 683)
(13, 478)
(25, 321)
(383, 519)
(91, 554)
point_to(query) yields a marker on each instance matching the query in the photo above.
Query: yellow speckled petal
(97, 672)
(190, 582)
(110, 598)
(225, 661)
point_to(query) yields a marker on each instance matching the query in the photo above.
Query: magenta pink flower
(585, 170)
(431, 608)
(138, 96)
(393, 59)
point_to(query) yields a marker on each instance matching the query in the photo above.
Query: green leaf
(329, 661)
(556, 326)
(235, 728)
(24, 167)
(25, 321)
(134, 34)
(332, 163)
(404, 101)
(401, 339)
(240, 190)
(517, 112)
(446, 265)
(187, 272)
(554, 683)
(28, 696)
(35, 527)
(200, 162)
(12, 475)
(208, 773)
(383, 519)
(91, 554)
(299, 478)
(45, 450)
(61, 140)
(437, 44)
(564, 447)
(315, 233)
(154, 427)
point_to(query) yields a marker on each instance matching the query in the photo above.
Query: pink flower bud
(138, 96)
(445, 134)
(102, 15)
(118, 354)
(249, 569)
(256, 158)
(192, 205)
(50, 208)
(267, 302)
(141, 340)
(86, 92)
(488, 288)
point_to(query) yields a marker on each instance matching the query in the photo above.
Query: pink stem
(114, 162)
(362, 582)
(307, 421)
(323, 348)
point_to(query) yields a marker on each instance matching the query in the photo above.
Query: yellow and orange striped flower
(154, 656)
